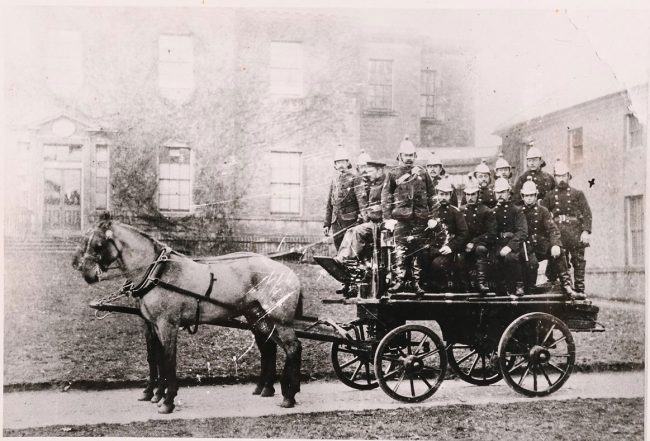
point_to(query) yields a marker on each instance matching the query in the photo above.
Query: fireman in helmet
(408, 204)
(543, 181)
(482, 177)
(443, 256)
(572, 214)
(544, 241)
(345, 199)
(502, 168)
(512, 231)
(482, 226)
(436, 170)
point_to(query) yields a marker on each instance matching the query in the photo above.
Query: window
(634, 133)
(64, 65)
(174, 190)
(285, 182)
(575, 146)
(63, 153)
(176, 65)
(380, 84)
(286, 68)
(634, 230)
(101, 177)
(428, 89)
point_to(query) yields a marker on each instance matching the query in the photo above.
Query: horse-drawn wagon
(527, 341)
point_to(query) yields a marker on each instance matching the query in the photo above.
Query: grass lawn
(51, 335)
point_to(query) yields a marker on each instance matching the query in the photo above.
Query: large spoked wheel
(410, 363)
(353, 363)
(536, 354)
(476, 364)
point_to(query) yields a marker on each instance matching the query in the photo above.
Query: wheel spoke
(560, 370)
(348, 350)
(412, 387)
(524, 375)
(399, 382)
(548, 334)
(534, 379)
(356, 371)
(484, 366)
(429, 354)
(346, 364)
(368, 376)
(424, 337)
(408, 343)
(560, 340)
(392, 373)
(473, 365)
(421, 377)
(548, 380)
(466, 357)
(516, 365)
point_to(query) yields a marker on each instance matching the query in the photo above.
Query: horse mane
(158, 245)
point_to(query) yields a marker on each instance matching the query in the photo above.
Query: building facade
(211, 113)
(604, 141)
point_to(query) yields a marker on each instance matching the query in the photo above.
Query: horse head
(98, 250)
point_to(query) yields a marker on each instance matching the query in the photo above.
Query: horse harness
(152, 279)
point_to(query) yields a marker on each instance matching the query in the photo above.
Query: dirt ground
(574, 420)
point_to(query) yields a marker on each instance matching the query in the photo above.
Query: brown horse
(175, 291)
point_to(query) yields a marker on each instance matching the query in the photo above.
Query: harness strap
(198, 306)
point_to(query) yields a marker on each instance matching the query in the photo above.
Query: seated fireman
(544, 242)
(512, 231)
(357, 241)
(451, 217)
(482, 226)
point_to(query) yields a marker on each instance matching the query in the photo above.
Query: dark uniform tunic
(408, 197)
(458, 233)
(356, 238)
(512, 231)
(344, 202)
(482, 234)
(572, 214)
(543, 234)
(544, 182)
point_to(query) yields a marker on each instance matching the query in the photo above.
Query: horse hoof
(268, 392)
(166, 408)
(156, 398)
(288, 402)
(146, 396)
(258, 390)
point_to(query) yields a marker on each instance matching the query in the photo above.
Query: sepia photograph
(344, 220)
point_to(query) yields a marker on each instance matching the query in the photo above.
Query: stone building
(603, 139)
(222, 118)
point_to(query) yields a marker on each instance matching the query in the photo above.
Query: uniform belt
(564, 218)
(507, 235)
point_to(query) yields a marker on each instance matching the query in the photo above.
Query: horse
(175, 291)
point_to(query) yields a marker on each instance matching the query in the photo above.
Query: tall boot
(567, 290)
(481, 278)
(579, 277)
(399, 270)
(417, 273)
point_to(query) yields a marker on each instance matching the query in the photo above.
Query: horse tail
(299, 306)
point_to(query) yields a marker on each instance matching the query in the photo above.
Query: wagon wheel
(410, 363)
(353, 363)
(474, 363)
(536, 354)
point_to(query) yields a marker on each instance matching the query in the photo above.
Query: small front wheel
(353, 362)
(410, 363)
(536, 354)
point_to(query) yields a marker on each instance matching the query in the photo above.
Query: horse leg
(268, 352)
(290, 380)
(168, 335)
(158, 366)
(149, 335)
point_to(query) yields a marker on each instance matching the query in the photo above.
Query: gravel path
(45, 408)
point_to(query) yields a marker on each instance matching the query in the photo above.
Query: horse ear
(105, 216)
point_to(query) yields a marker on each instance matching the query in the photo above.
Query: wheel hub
(539, 354)
(413, 364)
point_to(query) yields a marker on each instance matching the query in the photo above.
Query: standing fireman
(544, 241)
(407, 202)
(483, 179)
(437, 171)
(512, 231)
(345, 200)
(572, 214)
(543, 181)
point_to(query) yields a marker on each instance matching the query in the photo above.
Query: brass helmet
(482, 168)
(433, 159)
(363, 158)
(472, 186)
(533, 152)
(406, 147)
(501, 185)
(340, 154)
(445, 185)
(529, 187)
(561, 168)
(501, 163)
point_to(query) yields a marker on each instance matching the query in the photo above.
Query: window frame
(167, 210)
(369, 101)
(433, 94)
(299, 184)
(107, 177)
(572, 147)
(629, 242)
(628, 134)
(280, 90)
